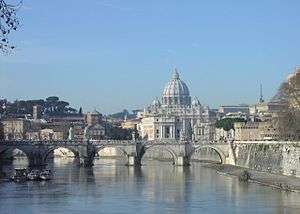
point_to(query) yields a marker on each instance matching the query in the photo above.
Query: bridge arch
(219, 152)
(160, 147)
(14, 148)
(8, 154)
(122, 151)
(51, 149)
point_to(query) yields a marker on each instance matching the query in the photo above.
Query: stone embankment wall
(275, 157)
(206, 154)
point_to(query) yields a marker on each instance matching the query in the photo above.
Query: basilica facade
(176, 116)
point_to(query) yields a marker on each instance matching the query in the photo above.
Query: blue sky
(116, 54)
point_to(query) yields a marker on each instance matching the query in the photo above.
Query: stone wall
(206, 154)
(274, 157)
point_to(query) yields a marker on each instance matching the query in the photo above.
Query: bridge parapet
(164, 141)
(112, 142)
(268, 142)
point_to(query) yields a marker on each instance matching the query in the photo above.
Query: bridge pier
(36, 161)
(85, 161)
(88, 161)
(2, 173)
(182, 161)
(133, 160)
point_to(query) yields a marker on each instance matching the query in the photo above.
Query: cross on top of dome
(175, 74)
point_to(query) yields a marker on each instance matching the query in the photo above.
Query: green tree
(117, 133)
(228, 123)
(8, 22)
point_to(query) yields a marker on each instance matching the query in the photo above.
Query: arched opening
(158, 153)
(60, 156)
(207, 154)
(15, 158)
(63, 153)
(110, 155)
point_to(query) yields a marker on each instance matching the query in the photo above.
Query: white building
(176, 116)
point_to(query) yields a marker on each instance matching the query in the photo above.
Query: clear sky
(116, 54)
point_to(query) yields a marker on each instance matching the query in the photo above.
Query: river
(156, 187)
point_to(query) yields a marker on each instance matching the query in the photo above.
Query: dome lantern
(175, 74)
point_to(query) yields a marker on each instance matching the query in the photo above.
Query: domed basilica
(176, 116)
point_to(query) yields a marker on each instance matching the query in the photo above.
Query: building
(131, 123)
(78, 132)
(95, 129)
(15, 128)
(33, 135)
(222, 135)
(37, 112)
(269, 114)
(93, 118)
(176, 116)
(256, 131)
(227, 109)
(263, 108)
(52, 134)
(66, 119)
(94, 132)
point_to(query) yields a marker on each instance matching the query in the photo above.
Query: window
(167, 132)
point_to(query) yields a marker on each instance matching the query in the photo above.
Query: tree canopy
(52, 106)
(117, 133)
(228, 123)
(288, 120)
(8, 22)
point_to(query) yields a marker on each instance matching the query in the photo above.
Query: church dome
(176, 92)
(196, 102)
(156, 102)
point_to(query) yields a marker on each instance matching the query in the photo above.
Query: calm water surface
(158, 187)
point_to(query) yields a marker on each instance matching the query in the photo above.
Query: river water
(157, 187)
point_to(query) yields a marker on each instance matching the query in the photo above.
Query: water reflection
(156, 187)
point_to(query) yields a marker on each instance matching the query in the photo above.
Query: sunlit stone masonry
(176, 116)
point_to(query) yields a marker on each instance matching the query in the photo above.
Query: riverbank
(287, 183)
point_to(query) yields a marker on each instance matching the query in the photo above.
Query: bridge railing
(108, 142)
(95, 142)
(207, 142)
(77, 142)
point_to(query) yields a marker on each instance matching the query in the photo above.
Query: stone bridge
(133, 151)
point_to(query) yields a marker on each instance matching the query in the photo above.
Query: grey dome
(196, 102)
(156, 102)
(176, 92)
(176, 87)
